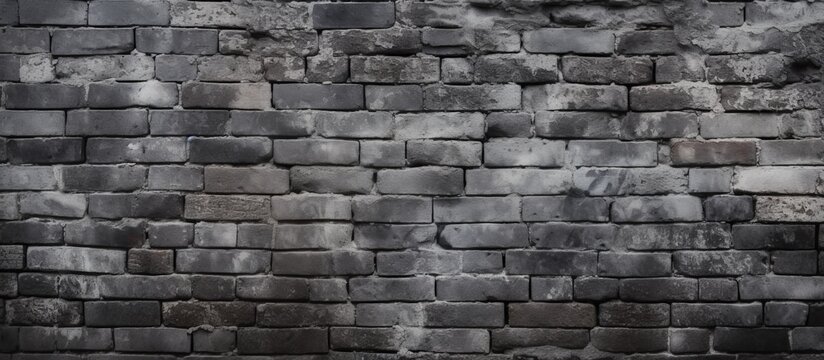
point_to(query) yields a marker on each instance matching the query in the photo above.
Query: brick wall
(448, 180)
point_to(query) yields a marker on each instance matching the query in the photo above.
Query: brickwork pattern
(445, 179)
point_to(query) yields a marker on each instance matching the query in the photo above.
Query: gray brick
(758, 340)
(8, 207)
(569, 40)
(354, 124)
(249, 150)
(107, 122)
(222, 68)
(150, 262)
(250, 96)
(517, 181)
(103, 177)
(712, 315)
(327, 68)
(418, 262)
(514, 338)
(382, 153)
(44, 96)
(122, 95)
(163, 287)
(192, 314)
(226, 207)
(597, 70)
(271, 123)
(389, 314)
(24, 41)
(476, 209)
(613, 153)
(394, 69)
(394, 97)
(687, 341)
(222, 261)
(213, 287)
(31, 233)
(780, 287)
(175, 177)
(397, 41)
(391, 236)
(311, 207)
(298, 315)
(256, 16)
(76, 259)
(710, 180)
(563, 208)
(170, 234)
(791, 152)
(671, 69)
(342, 262)
(789, 209)
(218, 340)
(463, 236)
(629, 340)
(574, 236)
(446, 153)
(422, 180)
(97, 68)
(193, 122)
(551, 288)
(439, 126)
(282, 341)
(92, 41)
(624, 181)
(742, 98)
(658, 289)
(283, 69)
(177, 41)
(283, 44)
(464, 315)
(773, 236)
(659, 125)
(53, 204)
(164, 340)
(472, 97)
(633, 314)
(545, 262)
(128, 233)
(516, 68)
(32, 123)
(524, 152)
(660, 208)
(175, 68)
(272, 288)
(728, 208)
(331, 179)
(392, 209)
(496, 288)
(353, 15)
(675, 236)
(567, 315)
(634, 264)
(315, 151)
(500, 124)
(781, 180)
(35, 284)
(575, 97)
(215, 235)
(673, 97)
(318, 96)
(312, 236)
(254, 180)
(50, 12)
(154, 150)
(785, 313)
(45, 151)
(647, 42)
(9, 68)
(44, 311)
(328, 290)
(129, 12)
(10, 12)
(27, 178)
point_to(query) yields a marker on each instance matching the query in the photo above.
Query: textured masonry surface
(444, 179)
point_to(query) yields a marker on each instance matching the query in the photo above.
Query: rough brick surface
(411, 179)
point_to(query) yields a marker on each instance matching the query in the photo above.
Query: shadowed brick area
(411, 179)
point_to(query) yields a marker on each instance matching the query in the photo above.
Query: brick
(44, 96)
(439, 126)
(395, 70)
(215, 235)
(175, 178)
(251, 96)
(483, 288)
(31, 232)
(467, 236)
(557, 288)
(35, 284)
(170, 234)
(710, 180)
(397, 41)
(150, 262)
(275, 43)
(32, 123)
(544, 262)
(675, 236)
(780, 287)
(130, 12)
(788, 209)
(392, 289)
(501, 124)
(773, 236)
(8, 207)
(721, 152)
(451, 42)
(311, 207)
(728, 208)
(673, 97)
(418, 262)
(597, 70)
(658, 289)
(446, 153)
(671, 69)
(222, 261)
(806, 338)
(272, 288)
(92, 41)
(44, 311)
(759, 68)
(42, 12)
(687, 341)
(476, 209)
(573, 236)
(213, 287)
(161, 150)
(53, 204)
(163, 287)
(780, 180)
(567, 315)
(717, 289)
(318, 96)
(629, 340)
(26, 41)
(9, 68)
(794, 262)
(422, 180)
(457, 70)
(163, 340)
(575, 97)
(394, 97)
(620, 314)
(10, 12)
(472, 97)
(353, 15)
(96, 68)
(569, 41)
(299, 315)
(83, 339)
(328, 290)
(464, 315)
(519, 181)
(192, 314)
(514, 338)
(743, 98)
(192, 122)
(283, 341)
(27, 178)
(312, 236)
(175, 68)
(107, 122)
(258, 180)
(254, 16)
(142, 205)
(613, 153)
(354, 124)
(712, 315)
(640, 181)
(76, 259)
(506, 68)
(327, 68)
(272, 123)
(657, 208)
(45, 151)
(247, 150)
(577, 124)
(341, 262)
(791, 152)
(389, 314)
(555, 208)
(634, 264)
(122, 313)
(218, 340)
(649, 42)
(331, 179)
(524, 152)
(122, 95)
(761, 340)
(176, 41)
(391, 236)
(315, 151)
(392, 209)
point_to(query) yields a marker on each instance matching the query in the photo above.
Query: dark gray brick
(250, 96)
(195, 122)
(353, 15)
(45, 151)
(129, 12)
(152, 340)
(53, 12)
(230, 150)
(318, 96)
(24, 40)
(122, 95)
(122, 313)
(107, 122)
(92, 41)
(44, 96)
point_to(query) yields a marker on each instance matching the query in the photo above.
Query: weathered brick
(159, 340)
(418, 262)
(31, 232)
(789, 209)
(44, 96)
(176, 41)
(389, 314)
(356, 124)
(713, 153)
(558, 288)
(283, 341)
(720, 263)
(555, 235)
(634, 264)
(272, 123)
(226, 207)
(581, 41)
(353, 15)
(483, 288)
(647, 42)
(162, 287)
(222, 261)
(472, 97)
(689, 341)
(422, 180)
(445, 153)
(597, 70)
(24, 40)
(640, 181)
(44, 311)
(386, 236)
(544, 262)
(46, 12)
(773, 236)
(661, 208)
(250, 96)
(567, 315)
(219, 340)
(791, 97)
(341, 262)
(516, 68)
(394, 97)
(32, 123)
(192, 122)
(476, 209)
(392, 289)
(150, 262)
(331, 179)
(575, 97)
(392, 209)
(791, 152)
(397, 41)
(271, 288)
(658, 289)
(76, 259)
(311, 207)
(518, 181)
(318, 96)
(673, 97)
(192, 314)
(463, 236)
(92, 41)
(439, 126)
(620, 314)
(504, 124)
(312, 236)
(96, 68)
(785, 313)
(629, 340)
(672, 69)
(451, 42)
(299, 315)
(760, 340)
(122, 95)
(561, 208)
(273, 43)
(524, 152)
(514, 338)
(11, 257)
(392, 69)
(257, 16)
(175, 68)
